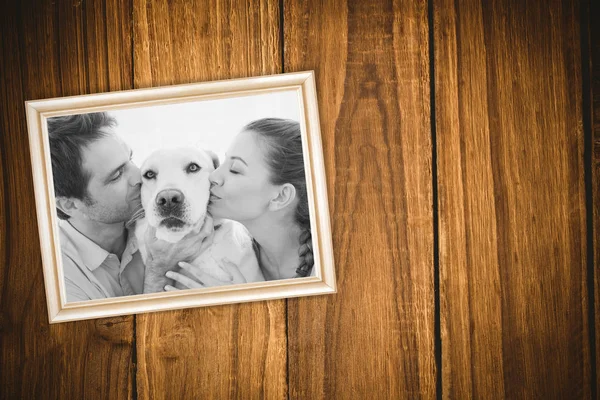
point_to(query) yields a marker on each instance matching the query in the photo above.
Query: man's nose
(136, 176)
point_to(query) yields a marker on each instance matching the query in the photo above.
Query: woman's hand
(204, 279)
(164, 256)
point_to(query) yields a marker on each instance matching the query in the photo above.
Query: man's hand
(164, 256)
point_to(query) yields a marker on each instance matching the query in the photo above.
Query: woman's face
(241, 189)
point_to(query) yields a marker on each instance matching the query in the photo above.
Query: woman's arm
(202, 279)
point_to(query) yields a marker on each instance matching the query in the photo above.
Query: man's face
(114, 184)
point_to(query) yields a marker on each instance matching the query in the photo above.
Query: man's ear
(285, 196)
(67, 205)
(214, 157)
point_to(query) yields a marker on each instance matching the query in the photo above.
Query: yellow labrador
(175, 194)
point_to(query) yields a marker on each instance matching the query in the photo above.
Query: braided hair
(286, 162)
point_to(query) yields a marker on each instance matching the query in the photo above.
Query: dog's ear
(214, 157)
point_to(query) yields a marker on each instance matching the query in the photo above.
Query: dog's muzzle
(169, 203)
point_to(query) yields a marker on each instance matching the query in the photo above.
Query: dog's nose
(169, 198)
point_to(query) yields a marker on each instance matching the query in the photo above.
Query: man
(97, 190)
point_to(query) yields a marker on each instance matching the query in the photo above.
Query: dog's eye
(149, 175)
(193, 167)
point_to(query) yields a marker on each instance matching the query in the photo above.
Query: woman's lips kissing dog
(213, 197)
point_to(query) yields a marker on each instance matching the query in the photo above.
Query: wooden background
(462, 150)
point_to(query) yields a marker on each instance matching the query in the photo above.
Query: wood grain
(512, 228)
(236, 351)
(512, 207)
(375, 338)
(44, 55)
(108, 45)
(593, 11)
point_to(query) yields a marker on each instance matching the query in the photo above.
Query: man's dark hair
(68, 136)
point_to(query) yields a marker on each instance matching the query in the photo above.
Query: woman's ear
(285, 196)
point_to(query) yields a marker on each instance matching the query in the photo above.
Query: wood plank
(375, 338)
(511, 200)
(108, 44)
(236, 351)
(593, 13)
(44, 56)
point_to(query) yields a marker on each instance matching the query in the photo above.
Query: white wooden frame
(60, 311)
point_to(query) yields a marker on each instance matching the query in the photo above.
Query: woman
(262, 185)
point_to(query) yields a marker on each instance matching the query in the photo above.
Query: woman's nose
(214, 178)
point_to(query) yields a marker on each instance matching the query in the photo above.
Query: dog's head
(176, 189)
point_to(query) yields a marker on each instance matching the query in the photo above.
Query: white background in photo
(209, 124)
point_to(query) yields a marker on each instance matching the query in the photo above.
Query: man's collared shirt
(91, 272)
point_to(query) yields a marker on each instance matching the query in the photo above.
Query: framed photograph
(181, 196)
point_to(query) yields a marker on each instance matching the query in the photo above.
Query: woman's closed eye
(235, 168)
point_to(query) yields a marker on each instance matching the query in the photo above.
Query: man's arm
(163, 256)
(74, 292)
(154, 276)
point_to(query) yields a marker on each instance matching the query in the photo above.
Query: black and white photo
(161, 201)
